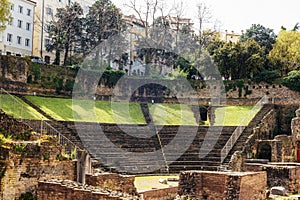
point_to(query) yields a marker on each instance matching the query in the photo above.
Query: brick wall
(24, 167)
(70, 190)
(160, 194)
(222, 185)
(285, 174)
(112, 181)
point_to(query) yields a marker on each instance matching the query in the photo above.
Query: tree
(5, 14)
(66, 32)
(204, 16)
(292, 81)
(239, 60)
(286, 51)
(265, 37)
(103, 21)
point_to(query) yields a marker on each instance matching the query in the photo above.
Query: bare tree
(204, 16)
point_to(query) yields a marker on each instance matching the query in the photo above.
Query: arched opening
(264, 152)
(47, 59)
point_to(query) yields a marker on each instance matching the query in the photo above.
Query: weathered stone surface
(112, 181)
(16, 129)
(279, 174)
(69, 190)
(281, 191)
(236, 162)
(23, 168)
(13, 68)
(160, 194)
(222, 185)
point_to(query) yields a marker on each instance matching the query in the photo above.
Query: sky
(238, 15)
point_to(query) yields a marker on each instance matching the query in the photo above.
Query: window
(28, 12)
(20, 22)
(47, 42)
(12, 7)
(27, 42)
(20, 9)
(28, 25)
(19, 39)
(9, 37)
(48, 11)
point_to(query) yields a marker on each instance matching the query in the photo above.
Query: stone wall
(282, 149)
(13, 68)
(295, 126)
(222, 185)
(284, 117)
(280, 174)
(264, 130)
(14, 128)
(70, 190)
(112, 181)
(160, 194)
(23, 164)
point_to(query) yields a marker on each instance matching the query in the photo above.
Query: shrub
(267, 76)
(292, 81)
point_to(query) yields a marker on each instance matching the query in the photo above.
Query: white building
(16, 39)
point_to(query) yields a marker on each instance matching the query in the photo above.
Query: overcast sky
(238, 15)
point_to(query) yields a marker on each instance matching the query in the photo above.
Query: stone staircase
(142, 149)
(136, 149)
(241, 142)
(146, 112)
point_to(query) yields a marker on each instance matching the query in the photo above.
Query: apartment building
(45, 13)
(16, 39)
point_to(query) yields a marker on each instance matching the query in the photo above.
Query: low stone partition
(69, 190)
(160, 194)
(223, 185)
(112, 181)
(279, 174)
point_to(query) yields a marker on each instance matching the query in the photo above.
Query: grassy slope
(89, 111)
(172, 114)
(12, 105)
(163, 114)
(235, 115)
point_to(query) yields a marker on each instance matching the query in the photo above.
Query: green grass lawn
(14, 106)
(235, 115)
(172, 114)
(107, 112)
(90, 111)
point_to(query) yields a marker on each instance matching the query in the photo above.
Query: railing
(240, 129)
(40, 126)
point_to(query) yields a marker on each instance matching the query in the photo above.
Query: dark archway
(264, 152)
(47, 59)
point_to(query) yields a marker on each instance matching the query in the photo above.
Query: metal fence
(240, 129)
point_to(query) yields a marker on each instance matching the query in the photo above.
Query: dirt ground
(143, 183)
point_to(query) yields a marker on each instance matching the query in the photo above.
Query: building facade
(45, 13)
(230, 36)
(16, 39)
